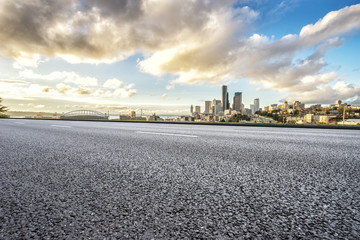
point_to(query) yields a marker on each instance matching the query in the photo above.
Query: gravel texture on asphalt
(98, 180)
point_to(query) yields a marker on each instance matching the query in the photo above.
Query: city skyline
(122, 57)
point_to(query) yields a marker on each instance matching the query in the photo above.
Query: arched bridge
(84, 115)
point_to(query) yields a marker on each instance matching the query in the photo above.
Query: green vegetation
(238, 117)
(3, 110)
(274, 115)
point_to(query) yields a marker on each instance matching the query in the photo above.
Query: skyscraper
(237, 104)
(252, 108)
(227, 101)
(191, 109)
(224, 98)
(197, 110)
(216, 106)
(256, 104)
(207, 107)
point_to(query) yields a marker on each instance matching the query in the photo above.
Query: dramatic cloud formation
(195, 41)
(67, 77)
(266, 62)
(101, 31)
(60, 84)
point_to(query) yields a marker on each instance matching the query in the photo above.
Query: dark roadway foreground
(98, 180)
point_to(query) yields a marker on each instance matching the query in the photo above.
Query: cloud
(82, 91)
(39, 106)
(112, 83)
(124, 93)
(326, 94)
(46, 90)
(67, 77)
(129, 86)
(163, 96)
(195, 41)
(334, 23)
(102, 31)
(27, 60)
(17, 89)
(120, 92)
(13, 81)
(62, 88)
(266, 62)
(354, 100)
(71, 84)
(170, 87)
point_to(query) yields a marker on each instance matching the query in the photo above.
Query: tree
(238, 117)
(3, 110)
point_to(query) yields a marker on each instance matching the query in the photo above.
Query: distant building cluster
(337, 113)
(292, 113)
(221, 110)
(215, 110)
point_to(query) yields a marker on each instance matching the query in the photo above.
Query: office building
(224, 98)
(207, 107)
(298, 105)
(132, 114)
(285, 106)
(256, 104)
(252, 108)
(191, 109)
(216, 106)
(227, 101)
(237, 104)
(198, 110)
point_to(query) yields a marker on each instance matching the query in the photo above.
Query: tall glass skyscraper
(256, 104)
(237, 104)
(224, 98)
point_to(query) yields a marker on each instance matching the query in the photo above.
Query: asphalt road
(108, 180)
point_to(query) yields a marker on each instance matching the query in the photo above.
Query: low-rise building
(132, 114)
(324, 119)
(153, 118)
(309, 118)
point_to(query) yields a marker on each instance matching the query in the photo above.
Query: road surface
(103, 180)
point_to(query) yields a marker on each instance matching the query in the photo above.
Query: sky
(162, 56)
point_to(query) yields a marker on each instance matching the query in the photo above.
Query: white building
(309, 118)
(252, 108)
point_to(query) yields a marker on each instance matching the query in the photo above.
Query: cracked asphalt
(112, 180)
